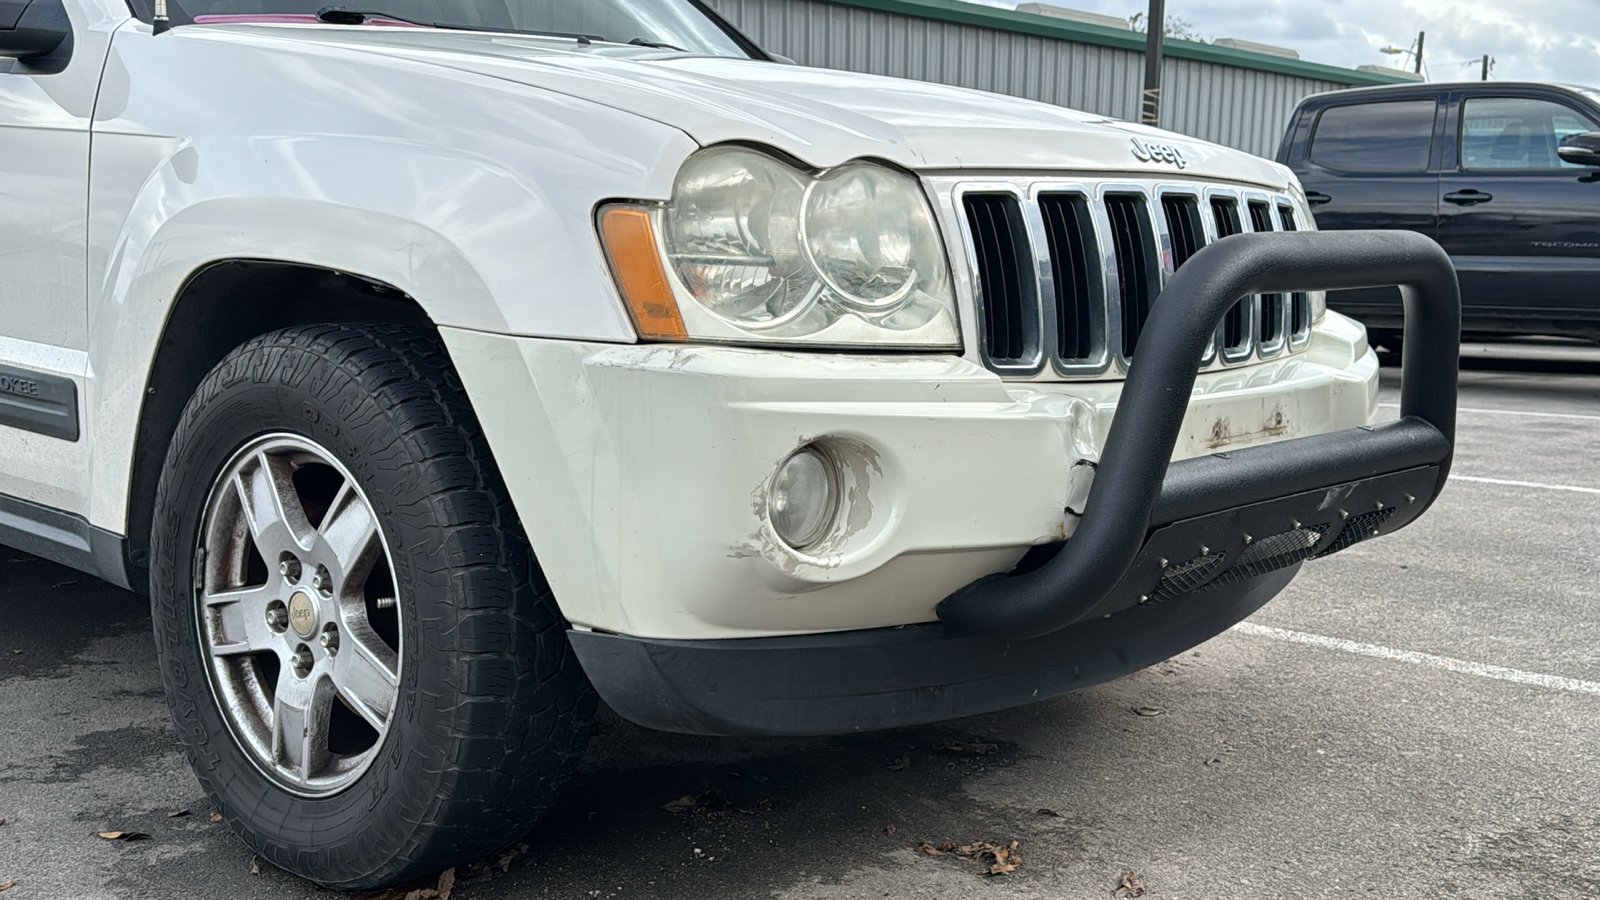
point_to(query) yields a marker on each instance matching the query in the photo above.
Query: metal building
(1219, 93)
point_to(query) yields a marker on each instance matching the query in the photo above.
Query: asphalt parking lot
(1413, 717)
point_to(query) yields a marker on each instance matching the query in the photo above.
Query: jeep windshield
(667, 24)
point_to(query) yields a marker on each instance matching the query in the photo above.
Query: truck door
(45, 112)
(1521, 225)
(1370, 164)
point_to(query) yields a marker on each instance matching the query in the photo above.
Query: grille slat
(1006, 287)
(1271, 318)
(1299, 302)
(1069, 230)
(1183, 223)
(1133, 241)
(1236, 324)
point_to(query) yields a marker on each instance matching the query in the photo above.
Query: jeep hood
(821, 116)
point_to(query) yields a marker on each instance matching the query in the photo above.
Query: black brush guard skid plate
(1144, 515)
(1165, 556)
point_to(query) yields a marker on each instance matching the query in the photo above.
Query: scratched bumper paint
(641, 471)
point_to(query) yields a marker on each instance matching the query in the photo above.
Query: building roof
(965, 13)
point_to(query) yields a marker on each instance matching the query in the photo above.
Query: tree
(1175, 27)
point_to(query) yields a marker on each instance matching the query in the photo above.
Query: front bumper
(640, 471)
(1166, 555)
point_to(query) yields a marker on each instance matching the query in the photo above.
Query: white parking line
(1513, 412)
(1428, 660)
(1528, 484)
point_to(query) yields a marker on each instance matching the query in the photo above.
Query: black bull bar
(1155, 529)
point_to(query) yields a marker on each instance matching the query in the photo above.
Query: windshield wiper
(341, 15)
(659, 45)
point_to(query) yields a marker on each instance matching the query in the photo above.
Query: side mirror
(30, 29)
(1578, 149)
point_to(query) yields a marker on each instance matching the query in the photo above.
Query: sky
(1530, 40)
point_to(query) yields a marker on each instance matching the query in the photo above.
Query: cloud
(1530, 40)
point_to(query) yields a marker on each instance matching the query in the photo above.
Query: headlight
(752, 250)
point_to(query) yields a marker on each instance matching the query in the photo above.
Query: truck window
(1393, 136)
(1517, 133)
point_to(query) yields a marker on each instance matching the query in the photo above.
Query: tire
(488, 709)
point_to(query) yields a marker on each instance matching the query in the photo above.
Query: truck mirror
(32, 29)
(1578, 149)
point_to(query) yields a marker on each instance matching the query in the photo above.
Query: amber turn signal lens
(630, 241)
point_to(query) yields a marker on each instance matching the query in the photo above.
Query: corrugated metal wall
(1241, 108)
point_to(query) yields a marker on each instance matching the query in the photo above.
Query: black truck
(1506, 176)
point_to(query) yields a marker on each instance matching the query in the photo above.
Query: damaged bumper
(1165, 556)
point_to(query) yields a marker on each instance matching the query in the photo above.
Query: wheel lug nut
(329, 640)
(302, 661)
(277, 616)
(289, 568)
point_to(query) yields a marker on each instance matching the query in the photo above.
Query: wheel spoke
(350, 535)
(237, 618)
(272, 507)
(301, 712)
(365, 673)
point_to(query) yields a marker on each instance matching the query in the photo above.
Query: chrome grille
(1005, 278)
(1065, 274)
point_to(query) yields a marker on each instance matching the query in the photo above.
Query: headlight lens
(756, 251)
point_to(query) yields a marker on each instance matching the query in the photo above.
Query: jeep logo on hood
(1145, 151)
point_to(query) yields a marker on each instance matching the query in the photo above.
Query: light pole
(1155, 26)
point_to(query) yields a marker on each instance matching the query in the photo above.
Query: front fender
(474, 196)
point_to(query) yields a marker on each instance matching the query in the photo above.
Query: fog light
(804, 498)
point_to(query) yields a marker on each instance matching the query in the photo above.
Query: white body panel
(44, 167)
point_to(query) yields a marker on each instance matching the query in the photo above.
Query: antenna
(159, 22)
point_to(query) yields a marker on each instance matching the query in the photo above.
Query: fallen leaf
(1001, 860)
(123, 835)
(447, 883)
(177, 813)
(255, 866)
(1049, 812)
(687, 801)
(216, 817)
(1129, 886)
(896, 765)
(7, 885)
(1212, 761)
(2, 820)
(1148, 711)
(889, 829)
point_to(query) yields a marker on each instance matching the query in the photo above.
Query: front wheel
(364, 664)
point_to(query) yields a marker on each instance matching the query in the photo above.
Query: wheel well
(220, 307)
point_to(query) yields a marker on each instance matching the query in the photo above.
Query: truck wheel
(365, 666)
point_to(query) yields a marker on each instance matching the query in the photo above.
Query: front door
(1522, 226)
(1369, 165)
(45, 111)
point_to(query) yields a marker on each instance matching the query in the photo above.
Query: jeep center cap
(302, 613)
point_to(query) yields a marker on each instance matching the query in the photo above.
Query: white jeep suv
(437, 369)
